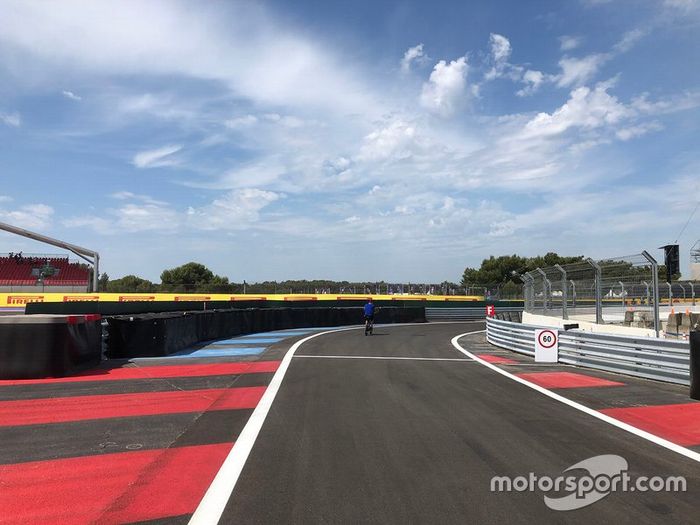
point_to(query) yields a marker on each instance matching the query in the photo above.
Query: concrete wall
(544, 320)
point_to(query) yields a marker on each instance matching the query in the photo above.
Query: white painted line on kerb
(690, 454)
(384, 357)
(214, 502)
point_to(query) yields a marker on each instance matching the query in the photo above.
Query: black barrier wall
(141, 307)
(155, 335)
(695, 365)
(49, 347)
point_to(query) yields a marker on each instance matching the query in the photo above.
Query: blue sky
(349, 140)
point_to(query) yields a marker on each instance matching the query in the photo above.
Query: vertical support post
(96, 273)
(573, 293)
(598, 290)
(528, 294)
(692, 292)
(670, 294)
(525, 292)
(546, 287)
(564, 292)
(655, 284)
(622, 295)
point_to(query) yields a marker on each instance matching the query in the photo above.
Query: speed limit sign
(546, 346)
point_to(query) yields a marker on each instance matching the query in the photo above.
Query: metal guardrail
(636, 356)
(467, 313)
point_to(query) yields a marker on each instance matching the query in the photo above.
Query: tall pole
(622, 295)
(655, 285)
(573, 293)
(564, 294)
(598, 290)
(526, 291)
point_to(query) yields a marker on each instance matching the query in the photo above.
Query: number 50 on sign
(546, 346)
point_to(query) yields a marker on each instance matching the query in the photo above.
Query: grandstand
(37, 272)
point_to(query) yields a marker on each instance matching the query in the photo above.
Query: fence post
(598, 290)
(655, 283)
(622, 287)
(545, 285)
(692, 292)
(670, 294)
(573, 293)
(564, 294)
(525, 291)
(647, 286)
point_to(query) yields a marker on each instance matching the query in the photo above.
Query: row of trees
(500, 271)
(194, 277)
(504, 271)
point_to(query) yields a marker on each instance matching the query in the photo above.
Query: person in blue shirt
(369, 314)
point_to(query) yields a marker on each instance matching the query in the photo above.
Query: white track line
(690, 454)
(214, 502)
(387, 357)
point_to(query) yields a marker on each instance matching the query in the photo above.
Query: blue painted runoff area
(249, 341)
(222, 352)
(245, 345)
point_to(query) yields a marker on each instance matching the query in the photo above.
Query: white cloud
(628, 40)
(5, 198)
(152, 216)
(31, 216)
(568, 42)
(685, 5)
(71, 95)
(631, 132)
(586, 108)
(236, 210)
(445, 90)
(412, 54)
(11, 119)
(127, 195)
(500, 48)
(500, 52)
(578, 71)
(156, 158)
(396, 140)
(250, 51)
(146, 217)
(532, 80)
(241, 122)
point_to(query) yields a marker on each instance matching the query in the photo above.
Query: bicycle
(369, 325)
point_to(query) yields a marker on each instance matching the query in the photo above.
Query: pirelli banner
(118, 304)
(22, 299)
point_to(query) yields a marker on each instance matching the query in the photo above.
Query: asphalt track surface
(398, 427)
(417, 441)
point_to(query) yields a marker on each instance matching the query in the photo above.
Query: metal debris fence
(620, 290)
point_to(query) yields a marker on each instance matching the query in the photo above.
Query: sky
(368, 140)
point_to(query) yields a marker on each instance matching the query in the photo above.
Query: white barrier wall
(544, 320)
